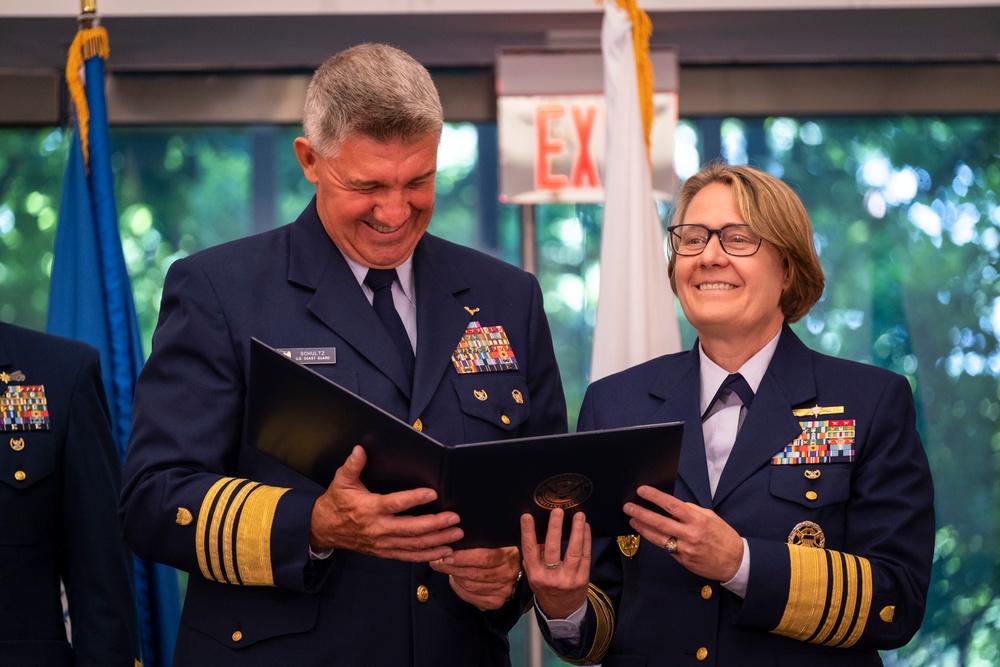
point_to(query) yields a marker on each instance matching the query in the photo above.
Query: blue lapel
(790, 380)
(338, 301)
(677, 387)
(441, 319)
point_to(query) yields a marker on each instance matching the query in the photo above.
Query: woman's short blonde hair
(776, 214)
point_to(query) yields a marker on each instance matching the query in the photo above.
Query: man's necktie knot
(379, 279)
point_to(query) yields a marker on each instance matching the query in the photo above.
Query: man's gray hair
(374, 91)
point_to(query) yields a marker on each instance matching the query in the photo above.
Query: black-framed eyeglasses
(736, 240)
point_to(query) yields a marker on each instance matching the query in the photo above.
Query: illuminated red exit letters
(563, 142)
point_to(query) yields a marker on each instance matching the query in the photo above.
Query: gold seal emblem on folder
(564, 491)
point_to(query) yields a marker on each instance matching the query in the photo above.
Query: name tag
(311, 355)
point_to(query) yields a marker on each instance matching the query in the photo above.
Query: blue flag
(90, 299)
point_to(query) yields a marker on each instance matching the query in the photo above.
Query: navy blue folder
(311, 424)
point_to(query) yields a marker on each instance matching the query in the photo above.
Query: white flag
(636, 320)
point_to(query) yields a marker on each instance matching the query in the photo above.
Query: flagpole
(90, 295)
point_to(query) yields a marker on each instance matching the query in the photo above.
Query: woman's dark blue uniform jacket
(865, 590)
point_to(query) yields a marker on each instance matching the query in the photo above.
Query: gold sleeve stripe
(850, 603)
(836, 597)
(237, 512)
(605, 613)
(201, 546)
(866, 586)
(219, 513)
(253, 536)
(829, 597)
(806, 593)
(227, 532)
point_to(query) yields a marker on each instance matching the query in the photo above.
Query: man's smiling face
(375, 199)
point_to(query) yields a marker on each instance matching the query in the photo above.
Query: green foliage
(906, 221)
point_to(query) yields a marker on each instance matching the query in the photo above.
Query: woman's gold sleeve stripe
(605, 614)
(233, 537)
(829, 597)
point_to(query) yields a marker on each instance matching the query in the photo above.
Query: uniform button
(706, 592)
(423, 594)
(702, 653)
(19, 475)
(184, 516)
(418, 425)
(505, 419)
(237, 636)
(811, 495)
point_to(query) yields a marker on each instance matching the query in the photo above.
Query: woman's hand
(559, 581)
(696, 537)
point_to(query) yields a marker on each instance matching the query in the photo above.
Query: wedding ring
(670, 545)
(552, 566)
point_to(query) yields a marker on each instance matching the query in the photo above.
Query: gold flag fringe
(642, 29)
(88, 43)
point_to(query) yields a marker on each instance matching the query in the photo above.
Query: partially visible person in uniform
(801, 527)
(283, 571)
(60, 477)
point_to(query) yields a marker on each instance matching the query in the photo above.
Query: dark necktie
(380, 282)
(738, 385)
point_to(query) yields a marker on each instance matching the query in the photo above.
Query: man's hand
(485, 578)
(348, 516)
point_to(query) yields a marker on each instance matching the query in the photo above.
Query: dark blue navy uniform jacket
(199, 497)
(865, 590)
(58, 512)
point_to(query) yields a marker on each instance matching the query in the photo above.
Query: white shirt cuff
(567, 629)
(738, 584)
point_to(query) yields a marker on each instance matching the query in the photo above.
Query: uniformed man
(284, 571)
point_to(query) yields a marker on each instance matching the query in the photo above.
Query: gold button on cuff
(505, 419)
(706, 592)
(237, 636)
(887, 613)
(702, 653)
(418, 425)
(811, 495)
(423, 594)
(184, 516)
(20, 476)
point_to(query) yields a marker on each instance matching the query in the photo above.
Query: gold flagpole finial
(88, 14)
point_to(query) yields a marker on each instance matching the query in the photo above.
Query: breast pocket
(343, 377)
(494, 406)
(818, 485)
(28, 488)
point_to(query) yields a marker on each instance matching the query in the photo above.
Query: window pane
(906, 220)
